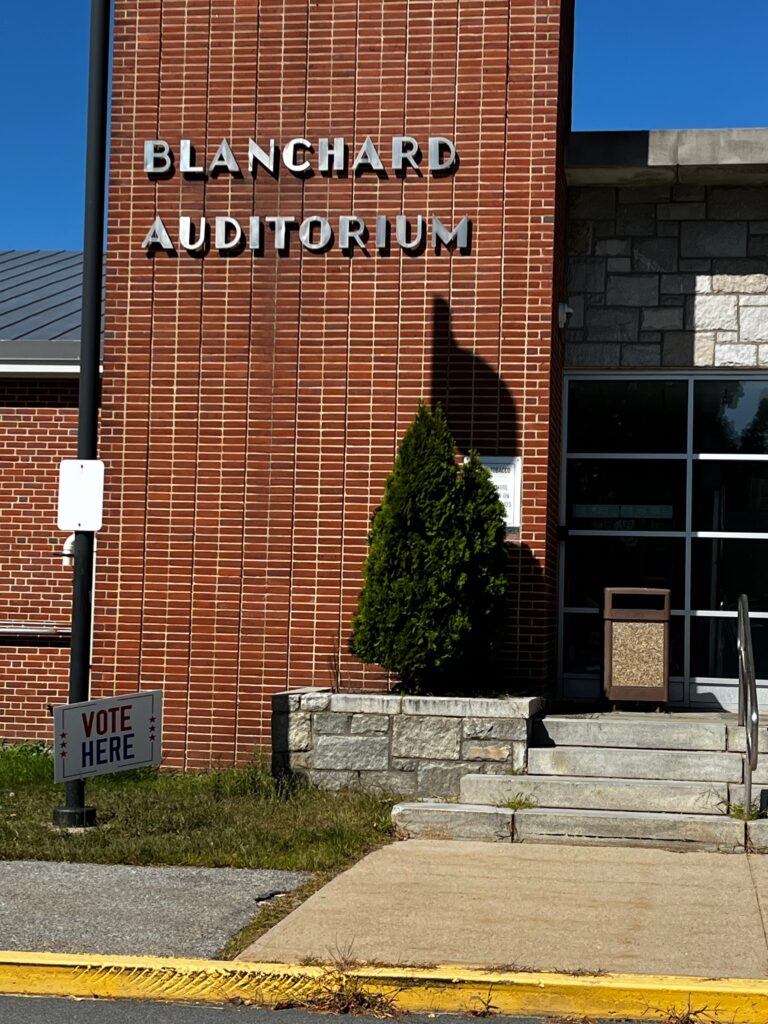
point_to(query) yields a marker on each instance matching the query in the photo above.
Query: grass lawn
(228, 818)
(235, 817)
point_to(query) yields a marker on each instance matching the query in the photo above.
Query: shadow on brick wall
(522, 663)
(479, 407)
(482, 414)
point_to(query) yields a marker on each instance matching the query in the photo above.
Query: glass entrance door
(665, 484)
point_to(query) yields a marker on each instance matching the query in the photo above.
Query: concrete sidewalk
(537, 907)
(566, 931)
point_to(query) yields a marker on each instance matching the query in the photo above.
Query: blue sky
(670, 64)
(639, 64)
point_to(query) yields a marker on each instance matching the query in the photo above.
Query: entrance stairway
(669, 781)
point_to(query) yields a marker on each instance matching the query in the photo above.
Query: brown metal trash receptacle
(636, 644)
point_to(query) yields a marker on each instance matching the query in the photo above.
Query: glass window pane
(713, 648)
(730, 416)
(583, 644)
(627, 416)
(609, 494)
(730, 496)
(723, 569)
(676, 645)
(593, 563)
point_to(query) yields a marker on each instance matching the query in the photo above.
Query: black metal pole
(75, 813)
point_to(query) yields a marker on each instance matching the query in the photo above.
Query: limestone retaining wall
(411, 746)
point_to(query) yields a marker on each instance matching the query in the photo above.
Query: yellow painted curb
(444, 988)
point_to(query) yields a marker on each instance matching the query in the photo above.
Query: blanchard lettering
(402, 155)
(315, 234)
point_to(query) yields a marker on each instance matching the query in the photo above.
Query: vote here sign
(97, 737)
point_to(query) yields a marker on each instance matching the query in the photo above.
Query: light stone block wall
(408, 746)
(668, 275)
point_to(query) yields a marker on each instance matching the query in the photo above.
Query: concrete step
(760, 774)
(736, 793)
(581, 827)
(630, 828)
(738, 741)
(612, 763)
(649, 731)
(453, 821)
(596, 793)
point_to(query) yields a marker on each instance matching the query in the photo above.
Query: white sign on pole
(96, 737)
(81, 495)
(506, 474)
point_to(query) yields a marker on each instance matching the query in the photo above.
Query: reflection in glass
(730, 416)
(593, 563)
(713, 648)
(608, 494)
(723, 569)
(627, 416)
(583, 645)
(730, 496)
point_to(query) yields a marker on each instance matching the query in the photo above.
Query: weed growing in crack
(520, 802)
(486, 1007)
(690, 1015)
(738, 810)
(343, 992)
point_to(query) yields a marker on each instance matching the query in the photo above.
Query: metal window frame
(687, 536)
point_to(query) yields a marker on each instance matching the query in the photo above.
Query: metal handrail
(749, 714)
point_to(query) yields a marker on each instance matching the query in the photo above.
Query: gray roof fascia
(727, 156)
(61, 352)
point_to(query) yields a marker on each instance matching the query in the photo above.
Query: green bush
(432, 605)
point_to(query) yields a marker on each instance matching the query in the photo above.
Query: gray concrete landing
(537, 907)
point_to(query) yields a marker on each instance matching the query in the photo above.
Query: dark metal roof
(40, 306)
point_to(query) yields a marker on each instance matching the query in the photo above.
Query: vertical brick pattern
(38, 427)
(253, 404)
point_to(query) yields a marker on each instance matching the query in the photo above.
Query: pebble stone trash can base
(637, 644)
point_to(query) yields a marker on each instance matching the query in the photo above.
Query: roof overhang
(45, 358)
(727, 156)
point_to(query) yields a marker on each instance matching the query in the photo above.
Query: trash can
(636, 644)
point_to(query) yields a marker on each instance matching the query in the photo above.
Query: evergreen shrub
(432, 605)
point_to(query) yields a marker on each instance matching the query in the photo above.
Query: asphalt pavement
(119, 909)
(26, 1010)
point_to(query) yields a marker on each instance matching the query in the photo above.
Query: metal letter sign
(330, 157)
(97, 737)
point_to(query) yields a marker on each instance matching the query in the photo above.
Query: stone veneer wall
(668, 275)
(411, 746)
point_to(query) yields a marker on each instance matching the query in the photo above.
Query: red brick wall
(253, 405)
(38, 427)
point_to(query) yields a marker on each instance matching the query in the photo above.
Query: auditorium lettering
(330, 157)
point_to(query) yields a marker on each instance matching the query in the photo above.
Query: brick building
(259, 371)
(40, 298)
